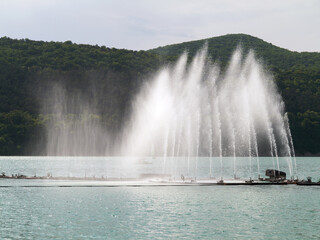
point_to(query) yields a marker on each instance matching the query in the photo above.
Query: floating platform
(50, 181)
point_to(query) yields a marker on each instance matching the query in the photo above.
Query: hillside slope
(107, 79)
(34, 73)
(221, 49)
(297, 76)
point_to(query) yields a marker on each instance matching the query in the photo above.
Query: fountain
(194, 110)
(75, 127)
(199, 120)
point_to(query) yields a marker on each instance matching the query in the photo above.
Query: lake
(167, 212)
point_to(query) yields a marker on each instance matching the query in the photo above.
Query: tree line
(109, 79)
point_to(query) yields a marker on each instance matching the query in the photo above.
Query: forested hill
(221, 49)
(27, 66)
(108, 78)
(296, 74)
(103, 78)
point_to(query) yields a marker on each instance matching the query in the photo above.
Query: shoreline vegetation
(107, 80)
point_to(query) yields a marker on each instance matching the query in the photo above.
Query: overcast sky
(145, 24)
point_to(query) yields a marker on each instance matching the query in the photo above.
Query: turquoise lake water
(184, 212)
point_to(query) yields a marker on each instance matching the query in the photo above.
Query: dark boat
(275, 175)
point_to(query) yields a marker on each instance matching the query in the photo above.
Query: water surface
(215, 212)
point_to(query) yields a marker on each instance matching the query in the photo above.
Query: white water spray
(247, 117)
